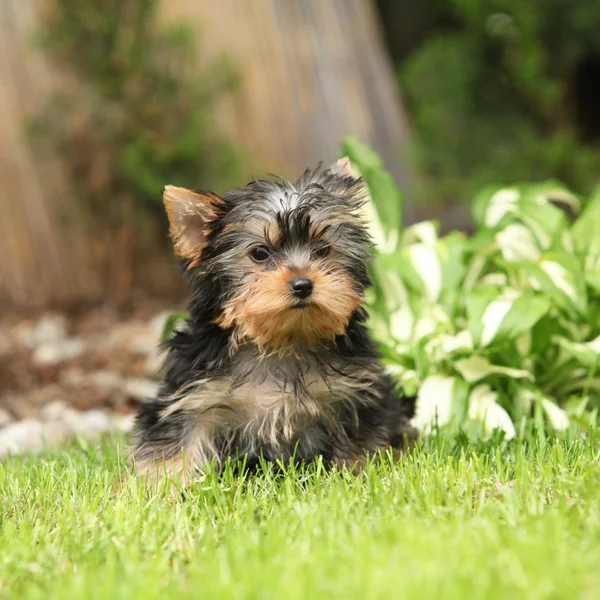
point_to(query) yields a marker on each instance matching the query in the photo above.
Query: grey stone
(50, 328)
(105, 379)
(23, 436)
(94, 421)
(54, 411)
(124, 423)
(51, 353)
(140, 389)
(5, 417)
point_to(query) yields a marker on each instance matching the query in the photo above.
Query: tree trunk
(43, 250)
(310, 72)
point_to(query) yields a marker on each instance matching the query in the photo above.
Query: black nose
(301, 288)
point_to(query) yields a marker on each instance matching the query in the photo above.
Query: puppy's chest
(274, 402)
(271, 397)
(269, 404)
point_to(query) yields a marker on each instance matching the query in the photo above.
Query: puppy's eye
(322, 251)
(260, 254)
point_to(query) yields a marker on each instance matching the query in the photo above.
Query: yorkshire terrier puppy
(274, 360)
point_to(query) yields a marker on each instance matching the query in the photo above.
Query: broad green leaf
(442, 347)
(494, 315)
(435, 401)
(566, 275)
(424, 232)
(523, 343)
(391, 285)
(462, 340)
(425, 262)
(483, 407)
(451, 252)
(517, 243)
(593, 281)
(552, 192)
(402, 323)
(492, 204)
(385, 195)
(585, 230)
(560, 277)
(385, 241)
(171, 323)
(389, 268)
(545, 221)
(586, 353)
(556, 416)
(526, 310)
(477, 302)
(477, 367)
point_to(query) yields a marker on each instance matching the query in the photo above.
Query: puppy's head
(290, 258)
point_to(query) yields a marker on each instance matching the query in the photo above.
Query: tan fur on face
(263, 311)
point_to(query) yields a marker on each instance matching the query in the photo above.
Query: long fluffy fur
(250, 376)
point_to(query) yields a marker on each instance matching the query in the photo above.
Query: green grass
(438, 524)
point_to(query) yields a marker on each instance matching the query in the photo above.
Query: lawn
(448, 520)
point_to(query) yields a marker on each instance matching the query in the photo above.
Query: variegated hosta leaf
(552, 192)
(441, 347)
(517, 243)
(385, 241)
(494, 279)
(585, 229)
(432, 319)
(531, 205)
(476, 367)
(436, 400)
(496, 314)
(483, 407)
(556, 416)
(565, 281)
(402, 323)
(523, 343)
(461, 341)
(586, 353)
(493, 207)
(424, 232)
(384, 210)
(546, 222)
(406, 378)
(426, 263)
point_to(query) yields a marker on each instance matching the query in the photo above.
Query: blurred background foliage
(138, 119)
(502, 91)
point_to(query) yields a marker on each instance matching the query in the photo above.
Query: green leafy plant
(500, 328)
(136, 110)
(499, 93)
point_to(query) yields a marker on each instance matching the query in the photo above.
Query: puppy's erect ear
(342, 168)
(190, 215)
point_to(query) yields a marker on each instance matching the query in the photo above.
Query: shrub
(498, 328)
(506, 92)
(135, 111)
